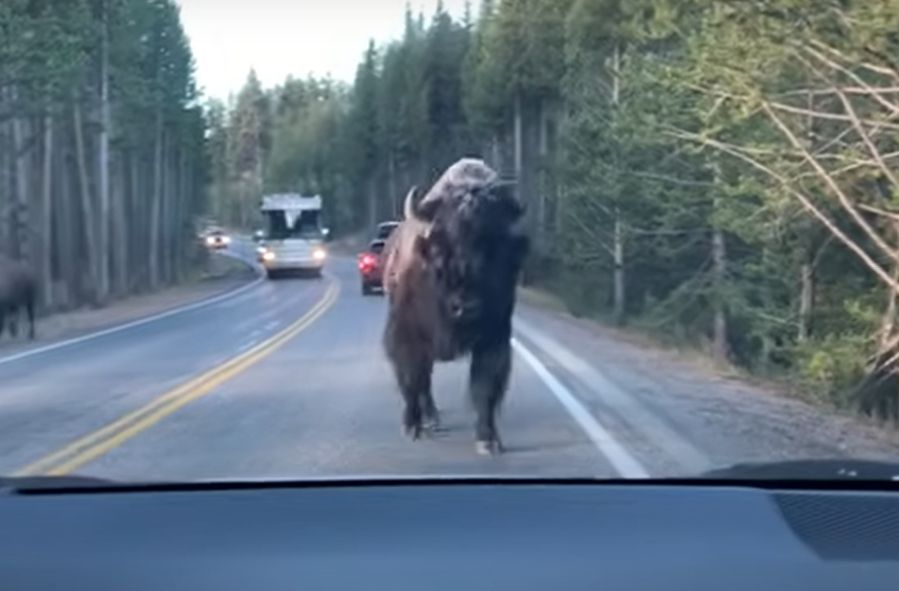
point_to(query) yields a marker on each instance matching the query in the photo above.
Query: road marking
(93, 445)
(246, 346)
(624, 405)
(624, 463)
(228, 295)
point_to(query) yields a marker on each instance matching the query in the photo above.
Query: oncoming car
(217, 240)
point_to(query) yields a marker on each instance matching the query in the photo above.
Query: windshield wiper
(826, 469)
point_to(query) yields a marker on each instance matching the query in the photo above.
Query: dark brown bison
(18, 289)
(450, 273)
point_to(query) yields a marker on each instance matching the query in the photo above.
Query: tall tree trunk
(164, 213)
(184, 208)
(618, 307)
(137, 224)
(391, 185)
(5, 167)
(104, 218)
(518, 161)
(496, 158)
(618, 270)
(21, 210)
(46, 226)
(120, 227)
(806, 269)
(66, 246)
(888, 323)
(806, 299)
(372, 201)
(542, 180)
(156, 205)
(518, 132)
(721, 348)
(87, 206)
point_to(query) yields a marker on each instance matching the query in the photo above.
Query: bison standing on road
(450, 273)
(18, 289)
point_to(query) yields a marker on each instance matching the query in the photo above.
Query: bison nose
(459, 308)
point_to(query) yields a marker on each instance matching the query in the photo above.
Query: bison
(450, 273)
(18, 289)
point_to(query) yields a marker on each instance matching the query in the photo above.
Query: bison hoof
(412, 432)
(431, 423)
(488, 448)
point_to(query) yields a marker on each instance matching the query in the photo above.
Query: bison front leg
(429, 413)
(415, 386)
(488, 378)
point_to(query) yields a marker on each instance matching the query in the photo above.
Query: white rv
(294, 238)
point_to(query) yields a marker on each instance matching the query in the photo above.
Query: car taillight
(367, 262)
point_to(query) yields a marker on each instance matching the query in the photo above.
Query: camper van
(293, 238)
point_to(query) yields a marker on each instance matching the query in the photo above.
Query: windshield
(537, 238)
(385, 229)
(305, 226)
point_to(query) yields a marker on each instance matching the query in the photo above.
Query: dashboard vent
(838, 527)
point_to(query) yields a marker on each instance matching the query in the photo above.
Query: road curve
(287, 379)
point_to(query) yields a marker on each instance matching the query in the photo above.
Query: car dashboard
(453, 535)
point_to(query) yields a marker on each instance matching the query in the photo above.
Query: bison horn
(409, 205)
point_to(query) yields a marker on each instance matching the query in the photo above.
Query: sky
(281, 37)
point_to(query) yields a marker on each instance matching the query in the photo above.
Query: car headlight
(226, 239)
(210, 240)
(319, 254)
(268, 255)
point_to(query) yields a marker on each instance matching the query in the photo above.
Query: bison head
(471, 244)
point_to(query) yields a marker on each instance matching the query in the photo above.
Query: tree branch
(844, 200)
(855, 77)
(829, 116)
(806, 202)
(875, 153)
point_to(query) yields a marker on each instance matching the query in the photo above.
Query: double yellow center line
(99, 442)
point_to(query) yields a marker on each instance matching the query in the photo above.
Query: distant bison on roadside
(450, 273)
(18, 289)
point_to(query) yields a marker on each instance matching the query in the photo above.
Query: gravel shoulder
(719, 412)
(223, 274)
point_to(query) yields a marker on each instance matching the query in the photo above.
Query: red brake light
(367, 261)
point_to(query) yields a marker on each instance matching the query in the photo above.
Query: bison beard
(450, 273)
(18, 290)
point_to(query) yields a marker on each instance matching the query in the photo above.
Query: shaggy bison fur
(18, 289)
(450, 273)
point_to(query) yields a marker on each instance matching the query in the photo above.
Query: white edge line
(246, 346)
(135, 323)
(625, 463)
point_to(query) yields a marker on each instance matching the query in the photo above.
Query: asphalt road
(287, 379)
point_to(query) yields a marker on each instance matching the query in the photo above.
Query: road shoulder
(224, 274)
(712, 409)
